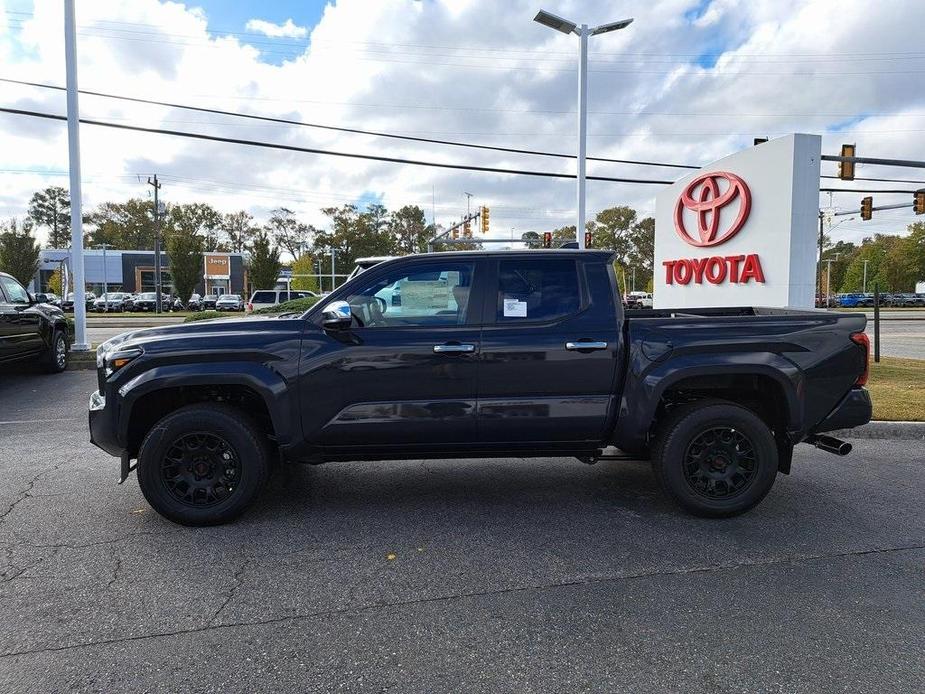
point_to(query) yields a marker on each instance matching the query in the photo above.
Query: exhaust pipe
(829, 443)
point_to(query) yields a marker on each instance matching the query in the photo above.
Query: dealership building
(133, 271)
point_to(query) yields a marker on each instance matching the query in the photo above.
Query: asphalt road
(513, 575)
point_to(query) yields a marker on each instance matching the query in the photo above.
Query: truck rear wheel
(715, 458)
(203, 464)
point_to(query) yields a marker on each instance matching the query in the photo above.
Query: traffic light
(455, 233)
(467, 230)
(484, 217)
(587, 239)
(846, 168)
(547, 239)
(867, 208)
(918, 202)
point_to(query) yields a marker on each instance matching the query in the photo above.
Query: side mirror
(336, 316)
(31, 298)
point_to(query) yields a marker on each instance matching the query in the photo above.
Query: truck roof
(510, 251)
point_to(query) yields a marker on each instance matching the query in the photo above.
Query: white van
(271, 297)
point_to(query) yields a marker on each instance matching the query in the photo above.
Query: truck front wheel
(202, 464)
(716, 459)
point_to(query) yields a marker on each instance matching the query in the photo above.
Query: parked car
(908, 300)
(208, 302)
(67, 304)
(515, 354)
(147, 301)
(262, 298)
(850, 300)
(637, 300)
(229, 302)
(31, 331)
(194, 303)
(111, 301)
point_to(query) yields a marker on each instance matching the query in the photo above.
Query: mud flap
(784, 453)
(126, 467)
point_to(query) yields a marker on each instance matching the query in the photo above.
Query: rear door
(549, 353)
(405, 373)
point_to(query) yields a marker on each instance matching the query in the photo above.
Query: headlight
(116, 360)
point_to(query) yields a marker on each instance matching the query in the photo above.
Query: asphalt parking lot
(474, 576)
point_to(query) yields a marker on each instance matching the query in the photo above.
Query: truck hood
(191, 335)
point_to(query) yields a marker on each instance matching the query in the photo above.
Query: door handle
(573, 346)
(452, 348)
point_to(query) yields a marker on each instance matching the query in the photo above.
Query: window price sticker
(514, 308)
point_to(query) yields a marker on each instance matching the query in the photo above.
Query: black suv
(30, 330)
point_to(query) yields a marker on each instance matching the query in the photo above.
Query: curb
(904, 431)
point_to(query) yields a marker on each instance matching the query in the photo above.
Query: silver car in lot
(229, 302)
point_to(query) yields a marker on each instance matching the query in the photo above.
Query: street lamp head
(553, 22)
(613, 26)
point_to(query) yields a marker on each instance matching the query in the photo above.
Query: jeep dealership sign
(742, 231)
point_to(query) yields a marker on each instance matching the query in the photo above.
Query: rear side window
(264, 298)
(540, 289)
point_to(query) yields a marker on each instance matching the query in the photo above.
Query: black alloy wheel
(200, 469)
(720, 463)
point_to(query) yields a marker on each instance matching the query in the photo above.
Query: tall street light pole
(73, 151)
(583, 31)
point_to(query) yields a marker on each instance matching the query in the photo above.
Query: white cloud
(288, 29)
(479, 71)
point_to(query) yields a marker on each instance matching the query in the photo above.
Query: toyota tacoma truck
(488, 354)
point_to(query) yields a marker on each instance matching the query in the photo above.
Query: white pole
(582, 130)
(864, 290)
(332, 268)
(73, 150)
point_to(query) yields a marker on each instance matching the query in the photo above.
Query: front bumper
(103, 426)
(854, 410)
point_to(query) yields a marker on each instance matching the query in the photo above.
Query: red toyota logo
(702, 196)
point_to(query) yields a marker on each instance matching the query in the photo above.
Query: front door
(20, 327)
(405, 373)
(549, 357)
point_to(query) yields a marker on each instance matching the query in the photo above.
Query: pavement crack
(238, 582)
(26, 493)
(455, 596)
(116, 569)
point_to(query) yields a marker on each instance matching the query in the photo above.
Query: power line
(287, 121)
(333, 153)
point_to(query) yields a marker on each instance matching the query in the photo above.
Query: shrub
(205, 315)
(294, 306)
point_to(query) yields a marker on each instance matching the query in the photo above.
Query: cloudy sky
(688, 82)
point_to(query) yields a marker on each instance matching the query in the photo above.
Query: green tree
(239, 227)
(51, 208)
(532, 239)
(304, 265)
(19, 252)
(641, 255)
(353, 235)
(264, 262)
(409, 230)
(195, 219)
(288, 232)
(184, 252)
(126, 225)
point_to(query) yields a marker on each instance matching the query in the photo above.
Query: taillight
(864, 341)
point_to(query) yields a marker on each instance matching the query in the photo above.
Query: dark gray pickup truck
(479, 354)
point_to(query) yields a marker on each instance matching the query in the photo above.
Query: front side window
(432, 295)
(537, 289)
(15, 294)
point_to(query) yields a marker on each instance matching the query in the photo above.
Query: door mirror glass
(337, 315)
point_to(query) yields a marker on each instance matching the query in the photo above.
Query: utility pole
(864, 290)
(105, 283)
(332, 268)
(468, 200)
(73, 152)
(582, 129)
(819, 269)
(157, 245)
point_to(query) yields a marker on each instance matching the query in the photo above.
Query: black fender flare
(261, 378)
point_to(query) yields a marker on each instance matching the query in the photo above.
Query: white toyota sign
(742, 230)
